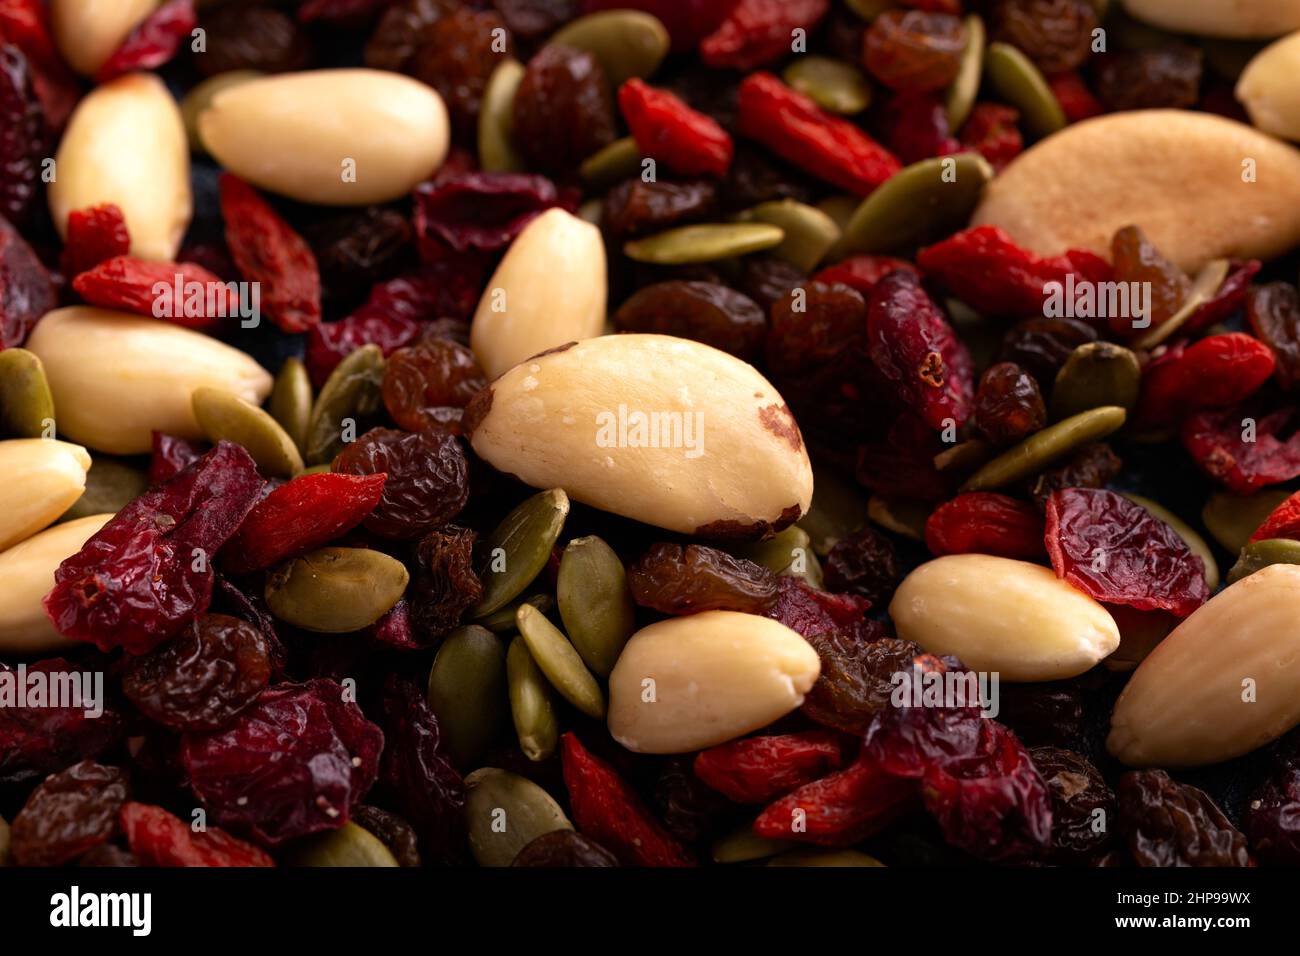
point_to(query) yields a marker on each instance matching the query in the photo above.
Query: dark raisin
(914, 50)
(1055, 34)
(1042, 345)
(26, 290)
(1273, 310)
(443, 583)
(564, 848)
(767, 279)
(688, 808)
(428, 479)
(22, 135)
(1049, 714)
(703, 311)
(357, 249)
(635, 207)
(1008, 404)
(69, 814)
(400, 30)
(682, 580)
(1092, 466)
(108, 855)
(863, 563)
(756, 176)
(244, 37)
(1167, 823)
(427, 385)
(457, 55)
(1083, 807)
(564, 110)
(856, 679)
(534, 19)
(1168, 78)
(394, 832)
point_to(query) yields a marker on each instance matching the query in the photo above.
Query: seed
(42, 478)
(518, 548)
(291, 401)
(809, 232)
(1187, 533)
(505, 812)
(743, 846)
(26, 576)
(627, 43)
(704, 243)
(1000, 615)
(1096, 374)
(787, 552)
(727, 458)
(502, 620)
(549, 289)
(1267, 88)
(224, 415)
(595, 602)
(352, 393)
(125, 144)
(335, 137)
(530, 703)
(1225, 682)
(89, 33)
(1014, 78)
(110, 487)
(611, 164)
(825, 858)
(962, 92)
(832, 84)
(467, 691)
(1244, 19)
(496, 120)
(692, 682)
(200, 98)
(1039, 450)
(26, 403)
(964, 457)
(1232, 519)
(1204, 286)
(1261, 554)
(561, 664)
(349, 845)
(838, 509)
(336, 590)
(117, 378)
(907, 518)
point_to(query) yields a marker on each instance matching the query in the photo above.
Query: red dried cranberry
(862, 272)
(756, 32)
(22, 134)
(810, 611)
(1218, 370)
(1241, 448)
(26, 289)
(95, 234)
(915, 127)
(171, 456)
(153, 42)
(483, 211)
(983, 522)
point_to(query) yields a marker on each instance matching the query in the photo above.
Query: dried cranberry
(1167, 78)
(153, 42)
(394, 832)
(1216, 371)
(687, 21)
(756, 32)
(863, 563)
(983, 522)
(68, 814)
(483, 211)
(427, 385)
(670, 132)
(1077, 101)
(246, 37)
(1273, 310)
(1168, 823)
(26, 289)
(1083, 807)
(563, 110)
(915, 127)
(95, 234)
(704, 311)
(346, 14)
(444, 583)
(913, 50)
(22, 135)
(683, 580)
(428, 479)
(635, 207)
(1230, 297)
(992, 132)
(811, 611)
(1241, 448)
(1094, 465)
(171, 456)
(862, 272)
(157, 838)
(456, 55)
(1055, 34)
(564, 848)
(902, 466)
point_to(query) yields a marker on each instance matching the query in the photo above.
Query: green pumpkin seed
(336, 590)
(925, 199)
(1014, 78)
(1195, 542)
(839, 208)
(1260, 554)
(964, 457)
(627, 43)
(290, 402)
(825, 858)
(742, 846)
(504, 812)
(110, 487)
(1096, 374)
(704, 243)
(224, 415)
(809, 232)
(561, 664)
(962, 91)
(200, 98)
(838, 509)
(496, 120)
(26, 403)
(1204, 286)
(595, 602)
(1039, 450)
(350, 394)
(1232, 519)
(349, 845)
(531, 706)
(467, 691)
(518, 548)
(789, 552)
(502, 621)
(907, 518)
(834, 85)
(612, 164)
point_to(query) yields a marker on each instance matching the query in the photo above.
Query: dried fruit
(856, 680)
(1056, 34)
(94, 235)
(1093, 465)
(635, 207)
(1163, 78)
(427, 484)
(863, 563)
(1271, 818)
(482, 211)
(564, 848)
(1083, 807)
(670, 132)
(1167, 823)
(22, 137)
(760, 769)
(1008, 404)
(153, 42)
(70, 813)
(456, 55)
(26, 291)
(704, 311)
(992, 132)
(131, 285)
(1137, 260)
(1241, 449)
(563, 109)
(1042, 346)
(811, 611)
(985, 522)
(157, 838)
(395, 833)
(914, 51)
(253, 38)
(756, 32)
(1273, 310)
(1218, 370)
(354, 251)
(683, 580)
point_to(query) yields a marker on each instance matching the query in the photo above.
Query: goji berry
(160, 839)
(1282, 522)
(983, 522)
(670, 132)
(151, 288)
(26, 289)
(760, 769)
(153, 42)
(992, 132)
(94, 234)
(1240, 448)
(757, 32)
(171, 456)
(1216, 371)
(862, 272)
(1077, 101)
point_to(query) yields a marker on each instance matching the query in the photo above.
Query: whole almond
(1200, 186)
(1269, 88)
(116, 378)
(717, 452)
(42, 478)
(125, 144)
(332, 137)
(548, 290)
(1225, 682)
(1002, 616)
(703, 679)
(1235, 19)
(88, 32)
(27, 575)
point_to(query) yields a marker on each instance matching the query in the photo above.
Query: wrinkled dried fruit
(684, 580)
(635, 207)
(26, 290)
(1218, 370)
(456, 55)
(760, 769)
(1241, 449)
(811, 611)
(1168, 823)
(427, 385)
(704, 311)
(158, 838)
(863, 563)
(1055, 34)
(914, 51)
(991, 131)
(1093, 465)
(755, 32)
(1164, 78)
(985, 522)
(1083, 807)
(94, 235)
(1273, 310)
(1008, 404)
(444, 584)
(564, 848)
(1135, 259)
(428, 479)
(130, 285)
(153, 42)
(1042, 346)
(68, 814)
(856, 680)
(563, 111)
(22, 134)
(394, 832)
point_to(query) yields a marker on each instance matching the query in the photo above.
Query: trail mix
(649, 433)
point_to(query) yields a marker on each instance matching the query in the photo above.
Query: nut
(1012, 618)
(1269, 91)
(26, 576)
(1240, 19)
(549, 289)
(88, 32)
(659, 429)
(1226, 681)
(42, 478)
(334, 137)
(116, 377)
(125, 144)
(700, 680)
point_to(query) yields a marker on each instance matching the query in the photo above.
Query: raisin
(1083, 807)
(1224, 449)
(1094, 465)
(427, 385)
(344, 14)
(863, 563)
(1273, 815)
(635, 207)
(457, 54)
(811, 611)
(767, 279)
(983, 522)
(400, 30)
(1047, 714)
(1008, 404)
(703, 311)
(26, 290)
(22, 135)
(443, 583)
(683, 580)
(1167, 823)
(1042, 345)
(756, 176)
(394, 832)
(246, 37)
(1273, 310)
(355, 250)
(564, 848)
(95, 234)
(856, 679)
(1055, 34)
(230, 599)
(670, 132)
(756, 32)
(152, 42)
(913, 50)
(1218, 370)
(534, 19)
(483, 211)
(157, 838)
(69, 814)
(1168, 78)
(563, 110)
(428, 479)
(690, 810)
(1137, 260)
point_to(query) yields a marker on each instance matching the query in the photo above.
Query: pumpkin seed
(627, 43)
(502, 621)
(825, 858)
(743, 846)
(1260, 554)
(1232, 519)
(467, 691)
(839, 208)
(964, 457)
(504, 812)
(1195, 542)
(26, 402)
(1204, 286)
(1039, 450)
(907, 518)
(809, 232)
(531, 706)
(290, 402)
(200, 98)
(560, 663)
(496, 120)
(787, 552)
(595, 602)
(224, 415)
(920, 201)
(611, 164)
(1014, 78)
(962, 91)
(704, 243)
(834, 85)
(110, 487)
(349, 845)
(336, 590)
(838, 509)
(351, 393)
(518, 548)
(1096, 374)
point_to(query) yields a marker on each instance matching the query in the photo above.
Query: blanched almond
(42, 478)
(27, 575)
(88, 32)
(652, 427)
(999, 615)
(703, 679)
(333, 137)
(548, 290)
(1225, 682)
(1269, 88)
(1237, 19)
(125, 144)
(118, 377)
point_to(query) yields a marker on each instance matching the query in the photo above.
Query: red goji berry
(982, 522)
(862, 272)
(1240, 448)
(670, 132)
(606, 809)
(159, 839)
(1216, 371)
(1282, 522)
(1075, 98)
(797, 129)
(760, 769)
(94, 234)
(756, 32)
(153, 42)
(181, 292)
(992, 132)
